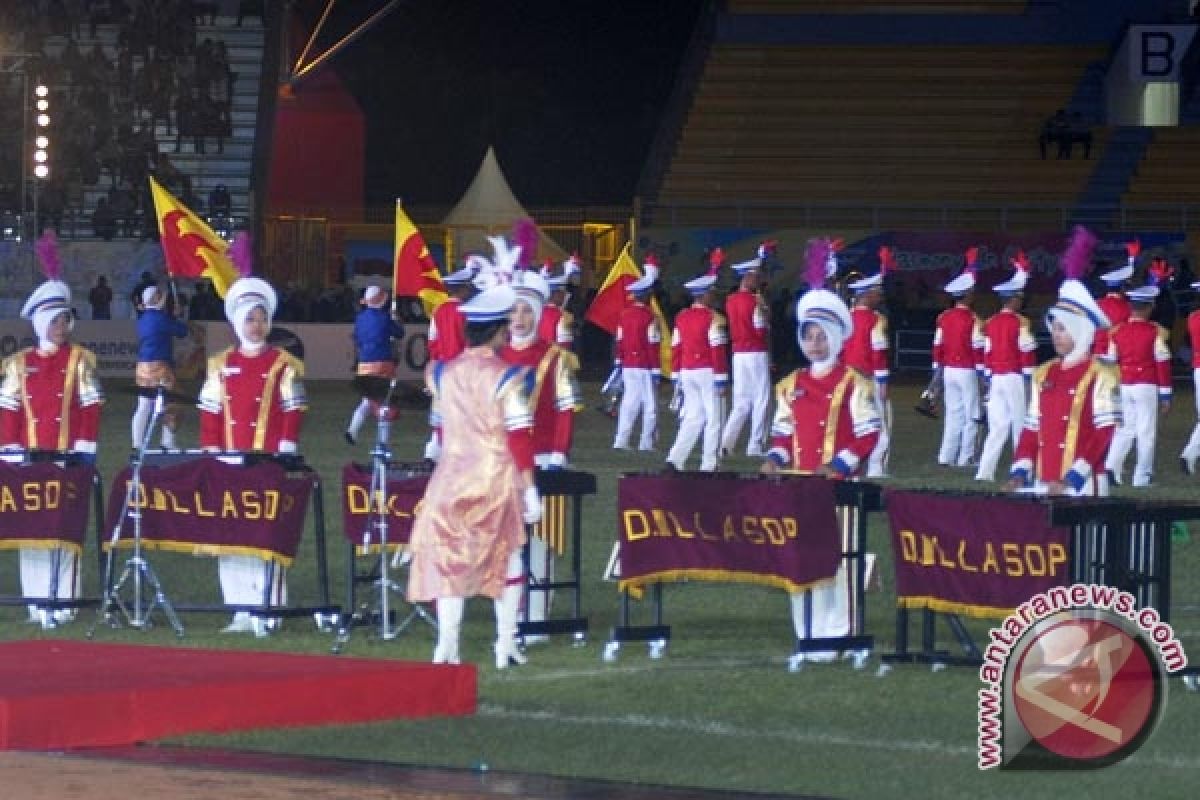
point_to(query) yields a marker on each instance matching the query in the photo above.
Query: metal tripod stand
(376, 531)
(137, 572)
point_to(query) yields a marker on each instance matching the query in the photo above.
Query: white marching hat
(963, 283)
(52, 295)
(1143, 294)
(153, 297)
(462, 276)
(869, 282)
(1074, 298)
(701, 284)
(556, 281)
(490, 305)
(374, 296)
(823, 306)
(746, 267)
(246, 293)
(1012, 286)
(528, 282)
(1117, 276)
(643, 283)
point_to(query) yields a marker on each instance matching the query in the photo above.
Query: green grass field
(719, 710)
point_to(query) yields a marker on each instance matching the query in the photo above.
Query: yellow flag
(414, 272)
(191, 248)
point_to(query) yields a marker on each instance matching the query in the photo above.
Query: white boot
(449, 618)
(506, 606)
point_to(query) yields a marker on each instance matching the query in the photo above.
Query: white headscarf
(245, 295)
(1082, 330)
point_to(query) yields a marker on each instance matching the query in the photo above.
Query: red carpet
(56, 695)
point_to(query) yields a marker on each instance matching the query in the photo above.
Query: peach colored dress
(469, 521)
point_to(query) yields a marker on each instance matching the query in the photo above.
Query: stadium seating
(876, 7)
(1170, 170)
(879, 124)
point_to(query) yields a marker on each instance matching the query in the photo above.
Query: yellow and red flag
(612, 297)
(191, 248)
(414, 272)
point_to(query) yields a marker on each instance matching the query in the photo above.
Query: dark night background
(568, 92)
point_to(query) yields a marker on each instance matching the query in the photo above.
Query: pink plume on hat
(1160, 272)
(1132, 249)
(816, 257)
(887, 260)
(525, 236)
(1077, 260)
(46, 249)
(767, 249)
(241, 253)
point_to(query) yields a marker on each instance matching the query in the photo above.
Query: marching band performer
(1114, 303)
(554, 400)
(1191, 451)
(253, 399)
(155, 364)
(1074, 407)
(866, 350)
(826, 423)
(637, 343)
(700, 369)
(1139, 349)
(556, 325)
(749, 335)
(467, 538)
(1009, 355)
(374, 331)
(446, 330)
(958, 351)
(50, 399)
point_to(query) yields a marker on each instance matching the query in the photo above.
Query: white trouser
(1006, 407)
(877, 463)
(701, 414)
(359, 417)
(541, 570)
(507, 607)
(141, 418)
(1192, 450)
(1139, 422)
(751, 396)
(37, 571)
(962, 412)
(637, 398)
(832, 602)
(244, 578)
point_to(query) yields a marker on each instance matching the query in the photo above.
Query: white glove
(286, 446)
(532, 502)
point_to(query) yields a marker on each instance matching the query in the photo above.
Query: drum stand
(377, 524)
(137, 572)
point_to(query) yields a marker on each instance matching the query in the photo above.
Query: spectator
(219, 202)
(104, 226)
(1078, 132)
(100, 297)
(1054, 130)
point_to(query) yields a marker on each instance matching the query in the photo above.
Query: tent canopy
(487, 208)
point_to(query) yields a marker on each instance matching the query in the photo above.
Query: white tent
(489, 207)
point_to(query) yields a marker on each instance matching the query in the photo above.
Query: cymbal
(171, 395)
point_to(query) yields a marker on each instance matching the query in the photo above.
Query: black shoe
(349, 438)
(670, 469)
(1113, 478)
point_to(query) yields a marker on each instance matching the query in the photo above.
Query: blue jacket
(374, 330)
(155, 329)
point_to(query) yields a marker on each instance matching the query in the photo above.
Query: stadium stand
(876, 7)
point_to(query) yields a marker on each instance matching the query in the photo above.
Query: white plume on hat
(499, 270)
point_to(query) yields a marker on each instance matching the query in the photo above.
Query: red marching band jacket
(867, 348)
(699, 341)
(828, 420)
(958, 341)
(1008, 345)
(1073, 413)
(638, 338)
(556, 325)
(252, 403)
(555, 397)
(1139, 349)
(50, 402)
(1193, 326)
(748, 322)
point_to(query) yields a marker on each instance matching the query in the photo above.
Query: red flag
(610, 298)
(190, 247)
(414, 272)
